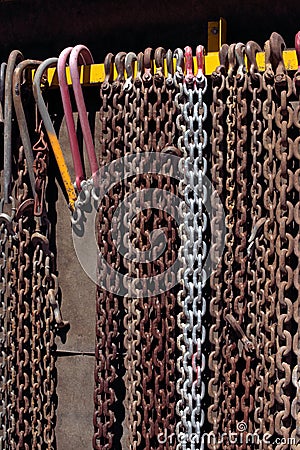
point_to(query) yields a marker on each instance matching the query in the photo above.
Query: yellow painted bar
(63, 169)
(94, 74)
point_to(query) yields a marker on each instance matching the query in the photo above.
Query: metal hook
(159, 57)
(148, 56)
(277, 45)
(200, 52)
(269, 74)
(2, 80)
(297, 47)
(109, 68)
(2, 84)
(240, 59)
(251, 49)
(255, 231)
(65, 96)
(248, 345)
(13, 60)
(21, 118)
(231, 60)
(129, 64)
(170, 66)
(223, 57)
(188, 55)
(129, 67)
(82, 112)
(140, 68)
(222, 68)
(51, 131)
(178, 55)
(120, 65)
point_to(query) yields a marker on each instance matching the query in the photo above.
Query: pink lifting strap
(86, 131)
(65, 95)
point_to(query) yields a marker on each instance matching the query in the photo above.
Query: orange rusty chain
(296, 310)
(216, 317)
(285, 241)
(196, 360)
(29, 310)
(108, 312)
(256, 273)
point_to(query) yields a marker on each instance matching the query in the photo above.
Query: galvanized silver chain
(194, 112)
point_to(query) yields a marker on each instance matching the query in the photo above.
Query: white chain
(191, 386)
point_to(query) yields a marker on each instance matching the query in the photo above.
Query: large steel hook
(251, 49)
(65, 96)
(220, 72)
(2, 86)
(297, 74)
(189, 65)
(130, 60)
(13, 60)
(120, 66)
(82, 112)
(241, 68)
(231, 61)
(21, 118)
(148, 67)
(179, 68)
(159, 58)
(51, 131)
(277, 45)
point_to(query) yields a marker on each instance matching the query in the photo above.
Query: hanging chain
(181, 432)
(109, 346)
(230, 403)
(216, 310)
(270, 258)
(132, 337)
(194, 112)
(4, 236)
(284, 249)
(240, 278)
(256, 271)
(296, 306)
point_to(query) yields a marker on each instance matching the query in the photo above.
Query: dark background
(41, 29)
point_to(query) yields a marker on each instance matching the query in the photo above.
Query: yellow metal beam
(216, 35)
(94, 74)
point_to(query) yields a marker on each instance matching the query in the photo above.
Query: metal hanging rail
(94, 74)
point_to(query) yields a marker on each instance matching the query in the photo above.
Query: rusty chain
(296, 305)
(254, 308)
(230, 401)
(216, 310)
(31, 299)
(109, 346)
(284, 247)
(255, 250)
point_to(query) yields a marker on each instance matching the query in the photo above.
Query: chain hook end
(188, 55)
(251, 49)
(200, 55)
(297, 47)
